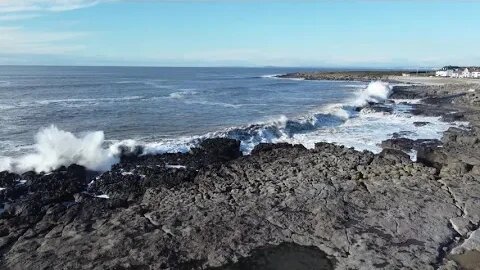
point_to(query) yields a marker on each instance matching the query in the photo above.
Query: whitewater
(159, 114)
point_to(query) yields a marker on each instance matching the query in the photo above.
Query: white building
(465, 73)
(458, 72)
(444, 73)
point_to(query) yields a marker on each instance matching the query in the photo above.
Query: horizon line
(226, 66)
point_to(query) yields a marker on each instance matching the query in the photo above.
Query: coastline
(212, 206)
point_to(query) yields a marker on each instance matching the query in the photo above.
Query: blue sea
(53, 116)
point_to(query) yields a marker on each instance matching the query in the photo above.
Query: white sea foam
(355, 85)
(178, 167)
(276, 76)
(87, 100)
(375, 92)
(154, 84)
(407, 101)
(6, 107)
(339, 110)
(212, 103)
(4, 83)
(271, 76)
(368, 130)
(183, 93)
(55, 148)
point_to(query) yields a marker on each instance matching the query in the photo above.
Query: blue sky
(336, 33)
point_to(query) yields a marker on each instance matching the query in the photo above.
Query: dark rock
(332, 202)
(393, 156)
(400, 134)
(420, 124)
(406, 145)
(374, 107)
(263, 147)
(452, 117)
(218, 150)
(285, 256)
(432, 156)
(366, 76)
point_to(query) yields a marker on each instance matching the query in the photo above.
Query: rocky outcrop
(331, 206)
(365, 76)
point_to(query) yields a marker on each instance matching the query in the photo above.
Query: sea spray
(55, 147)
(376, 92)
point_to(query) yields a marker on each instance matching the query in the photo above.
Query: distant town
(458, 72)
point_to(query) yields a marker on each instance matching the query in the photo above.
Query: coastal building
(465, 73)
(444, 72)
(458, 72)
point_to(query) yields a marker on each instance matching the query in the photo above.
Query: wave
(212, 103)
(154, 84)
(376, 92)
(355, 85)
(271, 76)
(6, 107)
(4, 83)
(277, 77)
(183, 93)
(344, 123)
(54, 148)
(87, 100)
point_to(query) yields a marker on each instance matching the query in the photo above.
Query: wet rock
(266, 147)
(333, 202)
(378, 108)
(420, 124)
(406, 145)
(285, 256)
(128, 180)
(217, 150)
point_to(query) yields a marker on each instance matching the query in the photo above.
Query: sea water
(53, 116)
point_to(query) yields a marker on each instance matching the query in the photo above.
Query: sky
(337, 33)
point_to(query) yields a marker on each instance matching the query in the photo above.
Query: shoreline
(213, 206)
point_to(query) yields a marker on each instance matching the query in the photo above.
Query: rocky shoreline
(364, 76)
(282, 207)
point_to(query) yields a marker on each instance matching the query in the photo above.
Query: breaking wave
(182, 94)
(88, 100)
(376, 92)
(55, 147)
(344, 123)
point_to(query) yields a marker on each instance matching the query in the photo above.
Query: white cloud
(17, 17)
(16, 40)
(16, 6)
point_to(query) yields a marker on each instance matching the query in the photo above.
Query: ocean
(53, 116)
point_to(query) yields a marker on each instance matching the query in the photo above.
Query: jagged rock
(265, 147)
(333, 198)
(462, 225)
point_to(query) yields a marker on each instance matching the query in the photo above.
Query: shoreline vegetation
(283, 206)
